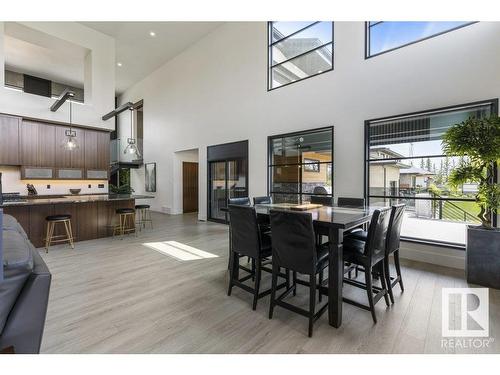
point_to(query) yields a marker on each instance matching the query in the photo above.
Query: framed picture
(150, 176)
(311, 165)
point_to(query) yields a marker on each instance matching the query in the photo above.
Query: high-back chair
(392, 247)
(369, 255)
(323, 200)
(351, 202)
(262, 200)
(247, 240)
(244, 201)
(294, 248)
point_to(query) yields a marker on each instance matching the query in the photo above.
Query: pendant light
(70, 143)
(131, 142)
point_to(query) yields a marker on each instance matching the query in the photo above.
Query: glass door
(237, 178)
(227, 179)
(218, 186)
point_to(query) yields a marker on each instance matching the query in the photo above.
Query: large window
(301, 165)
(384, 36)
(298, 50)
(405, 163)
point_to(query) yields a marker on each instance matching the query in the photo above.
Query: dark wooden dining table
(338, 220)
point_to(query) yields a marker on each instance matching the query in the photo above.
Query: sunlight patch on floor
(179, 250)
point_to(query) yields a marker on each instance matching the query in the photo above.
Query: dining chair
(369, 256)
(320, 190)
(322, 200)
(262, 200)
(294, 247)
(248, 240)
(392, 246)
(243, 201)
(351, 202)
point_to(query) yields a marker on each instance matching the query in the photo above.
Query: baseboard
(441, 256)
(171, 211)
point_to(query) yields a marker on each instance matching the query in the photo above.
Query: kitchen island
(92, 216)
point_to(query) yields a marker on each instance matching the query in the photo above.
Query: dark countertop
(74, 199)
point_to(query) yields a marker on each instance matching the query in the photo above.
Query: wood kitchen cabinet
(9, 140)
(29, 143)
(87, 221)
(90, 149)
(37, 144)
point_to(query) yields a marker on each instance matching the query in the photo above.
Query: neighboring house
(385, 172)
(415, 177)
(312, 63)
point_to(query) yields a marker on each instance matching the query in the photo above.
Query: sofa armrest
(24, 327)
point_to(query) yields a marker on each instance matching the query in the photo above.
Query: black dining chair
(320, 190)
(392, 247)
(369, 257)
(248, 240)
(262, 200)
(242, 201)
(294, 247)
(351, 202)
(322, 200)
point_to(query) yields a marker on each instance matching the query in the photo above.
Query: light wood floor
(119, 296)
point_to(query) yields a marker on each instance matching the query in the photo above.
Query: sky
(391, 34)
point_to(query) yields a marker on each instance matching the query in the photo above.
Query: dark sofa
(24, 291)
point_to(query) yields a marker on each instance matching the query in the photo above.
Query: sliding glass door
(217, 189)
(227, 179)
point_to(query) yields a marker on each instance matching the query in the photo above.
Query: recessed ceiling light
(119, 64)
(152, 33)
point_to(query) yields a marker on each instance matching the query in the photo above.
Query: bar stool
(50, 238)
(143, 215)
(127, 221)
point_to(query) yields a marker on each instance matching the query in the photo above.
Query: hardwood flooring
(120, 296)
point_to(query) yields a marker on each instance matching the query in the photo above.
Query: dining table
(338, 221)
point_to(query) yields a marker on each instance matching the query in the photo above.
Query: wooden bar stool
(50, 238)
(143, 215)
(127, 221)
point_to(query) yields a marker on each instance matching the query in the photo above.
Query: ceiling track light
(131, 142)
(65, 95)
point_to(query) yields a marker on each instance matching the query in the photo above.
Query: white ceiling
(42, 55)
(140, 54)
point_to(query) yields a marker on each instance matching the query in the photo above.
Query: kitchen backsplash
(12, 183)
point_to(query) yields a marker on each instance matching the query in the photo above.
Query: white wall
(215, 92)
(99, 78)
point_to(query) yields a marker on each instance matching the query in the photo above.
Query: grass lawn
(452, 211)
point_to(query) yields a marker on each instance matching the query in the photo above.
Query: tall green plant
(477, 142)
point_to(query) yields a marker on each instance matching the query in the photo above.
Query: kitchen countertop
(34, 201)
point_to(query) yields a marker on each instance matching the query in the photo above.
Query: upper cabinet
(31, 143)
(9, 140)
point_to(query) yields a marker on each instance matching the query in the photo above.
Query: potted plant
(477, 142)
(124, 189)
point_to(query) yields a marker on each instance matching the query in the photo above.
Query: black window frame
(270, 165)
(367, 38)
(270, 44)
(494, 111)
